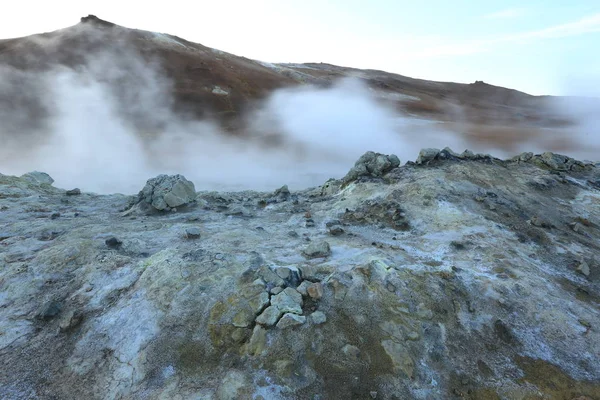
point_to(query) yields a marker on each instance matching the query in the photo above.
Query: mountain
(209, 83)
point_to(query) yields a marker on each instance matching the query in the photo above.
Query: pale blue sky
(541, 47)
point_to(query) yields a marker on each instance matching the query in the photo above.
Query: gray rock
(289, 320)
(166, 192)
(192, 232)
(427, 155)
(372, 164)
(317, 250)
(302, 288)
(318, 317)
(113, 242)
(276, 290)
(73, 192)
(288, 301)
(583, 268)
(270, 316)
(38, 177)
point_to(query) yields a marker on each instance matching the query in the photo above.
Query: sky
(539, 47)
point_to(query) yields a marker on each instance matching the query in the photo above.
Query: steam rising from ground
(109, 126)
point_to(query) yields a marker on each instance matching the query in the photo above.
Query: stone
(318, 317)
(55, 215)
(283, 272)
(372, 164)
(400, 356)
(38, 177)
(73, 192)
(289, 320)
(166, 192)
(334, 228)
(373, 394)
(259, 302)
(283, 193)
(288, 301)
(270, 277)
(70, 321)
(113, 243)
(192, 232)
(258, 341)
(317, 250)
(302, 288)
(583, 268)
(270, 316)
(276, 290)
(427, 155)
(315, 290)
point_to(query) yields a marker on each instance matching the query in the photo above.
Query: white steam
(109, 126)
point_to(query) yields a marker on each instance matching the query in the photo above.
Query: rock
(38, 177)
(73, 192)
(259, 302)
(302, 288)
(372, 164)
(113, 243)
(334, 228)
(555, 161)
(289, 320)
(317, 250)
(70, 320)
(276, 290)
(310, 223)
(270, 316)
(166, 192)
(283, 193)
(288, 301)
(258, 341)
(315, 290)
(400, 356)
(318, 317)
(55, 215)
(283, 272)
(427, 155)
(270, 277)
(192, 232)
(373, 394)
(583, 268)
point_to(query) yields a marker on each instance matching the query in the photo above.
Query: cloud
(444, 47)
(507, 13)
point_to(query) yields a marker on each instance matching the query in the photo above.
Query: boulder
(38, 177)
(166, 192)
(372, 164)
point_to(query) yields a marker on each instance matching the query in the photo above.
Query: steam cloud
(108, 126)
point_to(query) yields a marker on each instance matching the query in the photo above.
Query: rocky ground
(458, 276)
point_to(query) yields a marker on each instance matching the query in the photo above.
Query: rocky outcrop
(372, 164)
(165, 192)
(460, 277)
